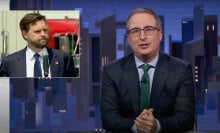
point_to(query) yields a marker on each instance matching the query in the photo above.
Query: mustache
(44, 39)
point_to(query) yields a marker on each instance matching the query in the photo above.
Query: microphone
(45, 64)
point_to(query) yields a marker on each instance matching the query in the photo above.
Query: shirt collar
(30, 53)
(152, 62)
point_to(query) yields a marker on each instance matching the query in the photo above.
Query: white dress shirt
(151, 75)
(30, 62)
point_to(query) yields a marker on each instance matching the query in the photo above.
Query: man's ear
(24, 34)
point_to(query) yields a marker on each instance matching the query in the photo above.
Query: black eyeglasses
(148, 30)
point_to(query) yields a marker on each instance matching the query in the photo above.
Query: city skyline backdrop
(191, 32)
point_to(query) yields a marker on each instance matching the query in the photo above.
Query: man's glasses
(148, 30)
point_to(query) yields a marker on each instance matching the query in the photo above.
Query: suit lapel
(131, 79)
(160, 76)
(21, 63)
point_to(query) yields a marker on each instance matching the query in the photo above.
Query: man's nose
(142, 34)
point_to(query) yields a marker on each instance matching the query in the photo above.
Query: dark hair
(30, 19)
(148, 11)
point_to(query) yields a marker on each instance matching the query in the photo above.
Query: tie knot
(146, 67)
(36, 55)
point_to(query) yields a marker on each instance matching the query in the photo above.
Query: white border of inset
(4, 5)
(4, 103)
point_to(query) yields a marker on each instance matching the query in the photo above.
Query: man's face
(38, 35)
(145, 46)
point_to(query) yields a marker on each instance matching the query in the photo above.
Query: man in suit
(171, 84)
(53, 63)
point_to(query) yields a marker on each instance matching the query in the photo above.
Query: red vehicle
(64, 35)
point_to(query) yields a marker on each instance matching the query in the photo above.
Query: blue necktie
(145, 88)
(37, 66)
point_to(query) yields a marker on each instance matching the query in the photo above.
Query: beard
(40, 44)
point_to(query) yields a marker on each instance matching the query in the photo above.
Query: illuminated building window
(213, 27)
(207, 27)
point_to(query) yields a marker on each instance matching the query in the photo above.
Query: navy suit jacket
(172, 94)
(61, 64)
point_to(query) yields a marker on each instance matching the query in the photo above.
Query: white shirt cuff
(134, 128)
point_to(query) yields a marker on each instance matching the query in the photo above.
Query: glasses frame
(148, 30)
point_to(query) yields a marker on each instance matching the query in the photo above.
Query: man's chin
(41, 46)
(45, 41)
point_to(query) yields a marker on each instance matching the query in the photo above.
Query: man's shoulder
(14, 55)
(175, 60)
(122, 62)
